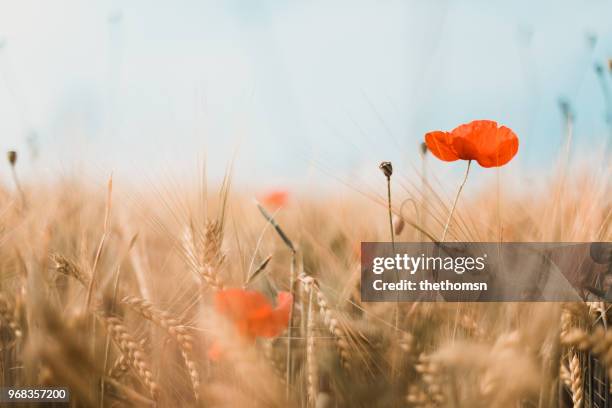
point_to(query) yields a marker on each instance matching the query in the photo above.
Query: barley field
(191, 193)
(114, 294)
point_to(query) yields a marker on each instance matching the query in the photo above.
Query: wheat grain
(66, 267)
(311, 363)
(132, 351)
(564, 375)
(599, 343)
(330, 318)
(206, 271)
(430, 372)
(175, 329)
(119, 368)
(7, 316)
(576, 382)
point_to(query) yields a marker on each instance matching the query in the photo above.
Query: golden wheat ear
(175, 329)
(132, 351)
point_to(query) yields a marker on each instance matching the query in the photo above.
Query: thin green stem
(18, 186)
(390, 212)
(422, 213)
(452, 211)
(292, 280)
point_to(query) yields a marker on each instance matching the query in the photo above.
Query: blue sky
(291, 87)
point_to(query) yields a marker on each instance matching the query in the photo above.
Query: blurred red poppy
(481, 140)
(252, 314)
(275, 199)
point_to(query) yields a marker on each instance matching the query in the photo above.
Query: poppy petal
(475, 129)
(465, 148)
(239, 305)
(481, 134)
(489, 145)
(440, 144)
(277, 322)
(252, 314)
(276, 199)
(480, 140)
(504, 151)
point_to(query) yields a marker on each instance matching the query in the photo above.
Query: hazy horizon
(291, 89)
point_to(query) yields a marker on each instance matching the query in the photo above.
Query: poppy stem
(292, 282)
(452, 211)
(390, 212)
(18, 186)
(387, 168)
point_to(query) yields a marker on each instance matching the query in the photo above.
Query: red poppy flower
(252, 314)
(480, 140)
(275, 199)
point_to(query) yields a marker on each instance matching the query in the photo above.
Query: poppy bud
(12, 157)
(566, 108)
(398, 225)
(386, 168)
(423, 148)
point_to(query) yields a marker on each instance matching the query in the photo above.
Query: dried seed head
(386, 168)
(423, 148)
(610, 64)
(398, 225)
(12, 157)
(566, 108)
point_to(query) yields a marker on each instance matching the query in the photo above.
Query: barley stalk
(330, 318)
(469, 323)
(565, 376)
(430, 372)
(576, 381)
(66, 267)
(132, 351)
(7, 315)
(278, 367)
(119, 368)
(212, 255)
(292, 282)
(206, 260)
(131, 395)
(175, 329)
(599, 343)
(311, 362)
(105, 232)
(597, 310)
